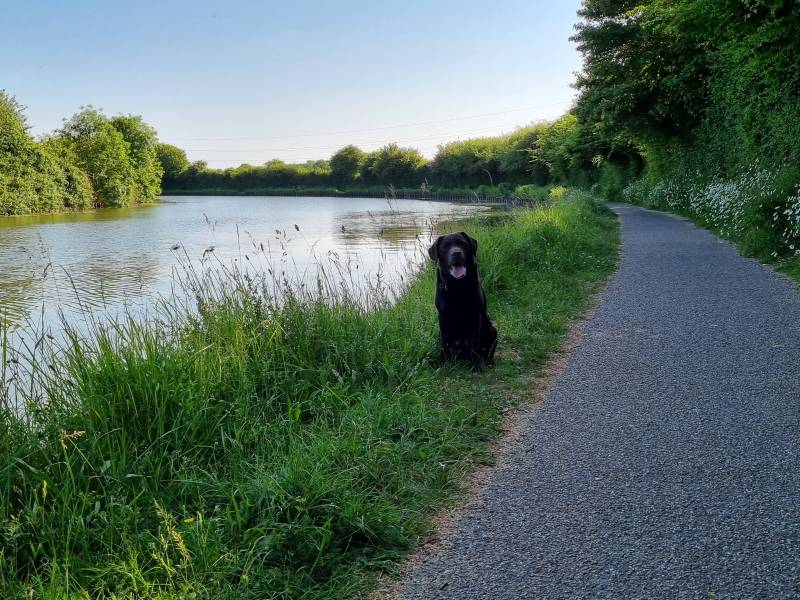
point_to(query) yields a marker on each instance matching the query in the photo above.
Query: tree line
(710, 84)
(92, 161)
(707, 93)
(545, 153)
(676, 97)
(95, 160)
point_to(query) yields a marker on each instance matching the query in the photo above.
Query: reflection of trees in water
(111, 266)
(396, 227)
(99, 214)
(29, 278)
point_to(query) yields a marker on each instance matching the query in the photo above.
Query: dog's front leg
(475, 346)
(488, 340)
(445, 347)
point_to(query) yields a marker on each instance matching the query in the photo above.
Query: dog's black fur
(465, 329)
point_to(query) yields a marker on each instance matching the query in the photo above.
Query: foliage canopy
(93, 160)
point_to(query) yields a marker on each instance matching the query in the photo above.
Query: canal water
(106, 261)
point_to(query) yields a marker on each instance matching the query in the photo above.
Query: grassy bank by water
(256, 449)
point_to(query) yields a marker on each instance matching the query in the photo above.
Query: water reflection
(393, 227)
(107, 261)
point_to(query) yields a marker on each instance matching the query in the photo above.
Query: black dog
(464, 326)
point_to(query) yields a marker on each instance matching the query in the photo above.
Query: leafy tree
(12, 117)
(102, 152)
(346, 163)
(705, 85)
(317, 165)
(143, 154)
(556, 148)
(173, 160)
(33, 179)
(644, 73)
(754, 83)
(119, 155)
(393, 165)
(515, 156)
(469, 162)
(198, 166)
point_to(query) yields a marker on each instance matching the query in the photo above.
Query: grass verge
(791, 268)
(260, 449)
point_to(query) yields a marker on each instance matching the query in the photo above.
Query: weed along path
(664, 462)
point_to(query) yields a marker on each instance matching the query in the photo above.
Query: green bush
(346, 164)
(142, 141)
(393, 165)
(709, 91)
(118, 155)
(32, 178)
(532, 192)
(173, 160)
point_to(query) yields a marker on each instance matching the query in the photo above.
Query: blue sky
(247, 81)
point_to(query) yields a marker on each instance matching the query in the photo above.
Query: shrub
(33, 178)
(346, 164)
(532, 192)
(142, 143)
(102, 152)
(173, 160)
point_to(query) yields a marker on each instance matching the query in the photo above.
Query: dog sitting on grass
(465, 329)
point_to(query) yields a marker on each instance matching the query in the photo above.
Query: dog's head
(455, 254)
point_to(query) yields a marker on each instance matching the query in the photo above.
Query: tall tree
(173, 160)
(143, 154)
(393, 165)
(644, 71)
(32, 178)
(102, 153)
(346, 163)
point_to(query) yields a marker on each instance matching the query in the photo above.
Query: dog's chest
(459, 302)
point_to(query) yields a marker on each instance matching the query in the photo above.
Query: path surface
(665, 461)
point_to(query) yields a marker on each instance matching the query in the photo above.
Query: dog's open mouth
(458, 271)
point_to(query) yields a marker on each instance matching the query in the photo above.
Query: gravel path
(665, 461)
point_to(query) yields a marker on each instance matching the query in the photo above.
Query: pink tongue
(458, 272)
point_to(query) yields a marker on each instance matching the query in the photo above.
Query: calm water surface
(106, 261)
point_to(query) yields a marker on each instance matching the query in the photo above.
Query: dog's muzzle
(458, 271)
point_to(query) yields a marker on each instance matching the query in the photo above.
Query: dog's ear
(433, 251)
(473, 242)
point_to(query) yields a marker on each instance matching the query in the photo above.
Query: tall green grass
(264, 445)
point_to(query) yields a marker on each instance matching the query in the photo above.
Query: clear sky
(248, 81)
